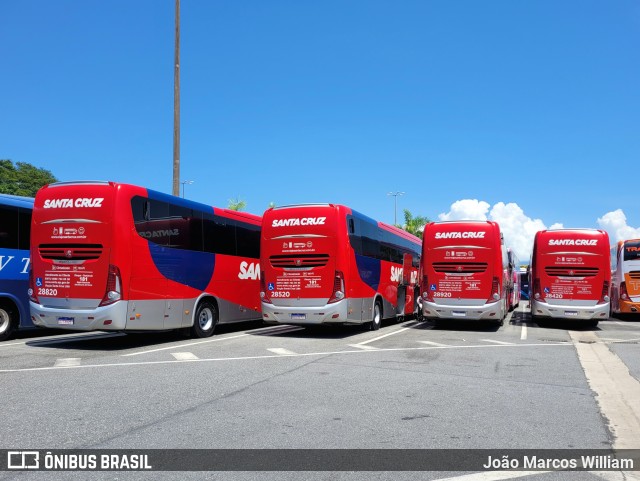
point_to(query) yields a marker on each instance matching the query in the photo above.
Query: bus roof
(16, 201)
(252, 218)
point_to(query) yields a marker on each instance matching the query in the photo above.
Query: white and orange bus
(328, 264)
(109, 256)
(464, 271)
(571, 275)
(625, 277)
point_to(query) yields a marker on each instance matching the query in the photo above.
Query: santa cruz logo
(573, 242)
(460, 235)
(294, 221)
(67, 203)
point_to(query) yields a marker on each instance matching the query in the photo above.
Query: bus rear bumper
(488, 312)
(334, 313)
(543, 309)
(107, 318)
(628, 307)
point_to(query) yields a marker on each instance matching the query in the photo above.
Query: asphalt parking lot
(410, 385)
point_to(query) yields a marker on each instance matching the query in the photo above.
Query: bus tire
(376, 321)
(205, 320)
(8, 320)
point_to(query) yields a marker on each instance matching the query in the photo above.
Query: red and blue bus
(328, 264)
(15, 225)
(464, 271)
(571, 275)
(110, 256)
(625, 277)
(513, 300)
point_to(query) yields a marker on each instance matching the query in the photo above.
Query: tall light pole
(395, 205)
(176, 106)
(183, 184)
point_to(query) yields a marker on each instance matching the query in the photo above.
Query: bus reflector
(338, 288)
(114, 286)
(106, 323)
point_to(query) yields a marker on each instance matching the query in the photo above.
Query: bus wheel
(205, 320)
(375, 323)
(8, 321)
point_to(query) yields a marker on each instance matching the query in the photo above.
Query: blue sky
(534, 103)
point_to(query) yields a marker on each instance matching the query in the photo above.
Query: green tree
(237, 204)
(414, 225)
(22, 178)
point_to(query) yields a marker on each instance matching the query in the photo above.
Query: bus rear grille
(72, 252)
(571, 271)
(634, 274)
(299, 261)
(459, 268)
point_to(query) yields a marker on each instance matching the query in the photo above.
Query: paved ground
(407, 386)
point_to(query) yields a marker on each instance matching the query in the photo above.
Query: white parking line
(309, 354)
(282, 351)
(408, 326)
(492, 476)
(184, 356)
(262, 330)
(217, 339)
(626, 324)
(431, 343)
(360, 346)
(67, 362)
(498, 342)
(523, 332)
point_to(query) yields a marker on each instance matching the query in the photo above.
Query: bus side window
(354, 235)
(24, 229)
(9, 227)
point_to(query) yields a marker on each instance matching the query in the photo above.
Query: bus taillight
(536, 289)
(624, 295)
(426, 292)
(264, 293)
(338, 288)
(33, 296)
(113, 292)
(604, 297)
(495, 291)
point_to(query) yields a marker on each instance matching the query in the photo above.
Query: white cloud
(615, 223)
(518, 229)
(467, 209)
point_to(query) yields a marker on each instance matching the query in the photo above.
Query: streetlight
(395, 205)
(185, 182)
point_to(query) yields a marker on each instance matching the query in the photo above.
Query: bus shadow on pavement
(337, 331)
(119, 341)
(457, 325)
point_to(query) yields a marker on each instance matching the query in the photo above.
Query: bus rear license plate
(570, 313)
(458, 313)
(65, 321)
(298, 316)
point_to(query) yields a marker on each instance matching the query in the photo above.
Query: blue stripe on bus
(191, 268)
(369, 270)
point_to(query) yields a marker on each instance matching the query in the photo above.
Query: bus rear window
(631, 251)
